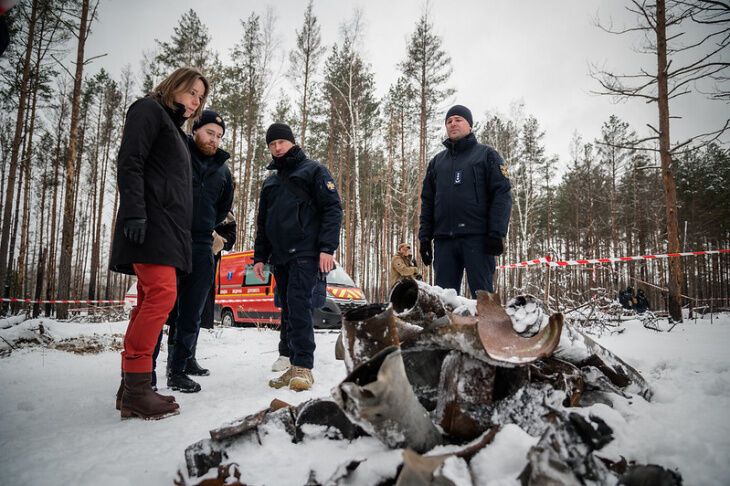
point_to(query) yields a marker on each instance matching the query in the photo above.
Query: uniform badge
(458, 177)
(330, 186)
(505, 170)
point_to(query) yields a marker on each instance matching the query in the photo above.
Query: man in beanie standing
(297, 232)
(466, 204)
(212, 199)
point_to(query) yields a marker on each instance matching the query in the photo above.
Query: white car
(130, 299)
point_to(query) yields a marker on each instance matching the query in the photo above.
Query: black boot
(192, 367)
(181, 382)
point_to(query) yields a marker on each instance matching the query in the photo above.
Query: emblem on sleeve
(330, 186)
(505, 170)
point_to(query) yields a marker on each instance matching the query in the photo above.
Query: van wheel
(227, 318)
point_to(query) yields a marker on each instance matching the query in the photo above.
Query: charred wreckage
(425, 372)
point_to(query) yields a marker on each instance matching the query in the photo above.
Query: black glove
(426, 252)
(494, 246)
(134, 230)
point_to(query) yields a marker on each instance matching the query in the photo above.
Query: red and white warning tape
(55, 301)
(590, 261)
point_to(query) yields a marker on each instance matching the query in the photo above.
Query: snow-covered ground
(58, 424)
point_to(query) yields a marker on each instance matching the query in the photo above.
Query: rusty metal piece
(421, 470)
(251, 422)
(228, 475)
(500, 340)
(465, 396)
(453, 332)
(423, 368)
(378, 397)
(617, 370)
(339, 348)
(366, 330)
(326, 412)
(562, 376)
(416, 303)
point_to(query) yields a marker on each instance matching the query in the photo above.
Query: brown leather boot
(139, 400)
(167, 398)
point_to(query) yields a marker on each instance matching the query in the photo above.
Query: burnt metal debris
(426, 370)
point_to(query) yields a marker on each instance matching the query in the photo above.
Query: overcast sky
(503, 52)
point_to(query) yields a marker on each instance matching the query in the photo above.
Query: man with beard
(297, 231)
(212, 199)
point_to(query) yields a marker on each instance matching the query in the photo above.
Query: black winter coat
(212, 191)
(154, 179)
(465, 192)
(288, 224)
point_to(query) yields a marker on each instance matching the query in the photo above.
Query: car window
(338, 276)
(250, 278)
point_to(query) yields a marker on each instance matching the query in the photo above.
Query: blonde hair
(181, 79)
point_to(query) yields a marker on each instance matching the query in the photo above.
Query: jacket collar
(462, 144)
(177, 114)
(289, 160)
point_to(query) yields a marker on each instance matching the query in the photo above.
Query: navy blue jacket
(465, 192)
(288, 225)
(212, 191)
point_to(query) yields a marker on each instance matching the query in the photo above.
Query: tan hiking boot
(282, 380)
(301, 379)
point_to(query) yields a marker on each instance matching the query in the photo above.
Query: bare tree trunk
(64, 267)
(670, 188)
(17, 138)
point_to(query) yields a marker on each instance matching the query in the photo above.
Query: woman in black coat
(152, 234)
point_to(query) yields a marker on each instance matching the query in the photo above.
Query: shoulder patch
(505, 170)
(330, 185)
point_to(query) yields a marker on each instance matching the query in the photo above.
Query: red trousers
(156, 293)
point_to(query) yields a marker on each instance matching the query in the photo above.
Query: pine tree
(427, 68)
(304, 60)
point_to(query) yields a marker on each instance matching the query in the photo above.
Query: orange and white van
(241, 298)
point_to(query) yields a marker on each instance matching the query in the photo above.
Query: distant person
(212, 198)
(403, 265)
(151, 236)
(627, 299)
(466, 203)
(297, 231)
(642, 302)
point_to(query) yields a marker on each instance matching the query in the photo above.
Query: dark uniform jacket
(465, 192)
(212, 191)
(154, 179)
(288, 225)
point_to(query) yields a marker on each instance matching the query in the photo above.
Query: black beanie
(462, 111)
(209, 116)
(279, 131)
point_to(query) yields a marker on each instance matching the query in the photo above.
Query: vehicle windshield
(338, 276)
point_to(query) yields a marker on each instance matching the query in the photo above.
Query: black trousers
(192, 292)
(454, 255)
(294, 283)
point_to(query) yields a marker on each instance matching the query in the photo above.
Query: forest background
(654, 179)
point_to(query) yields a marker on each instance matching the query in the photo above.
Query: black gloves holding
(426, 252)
(134, 230)
(494, 246)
